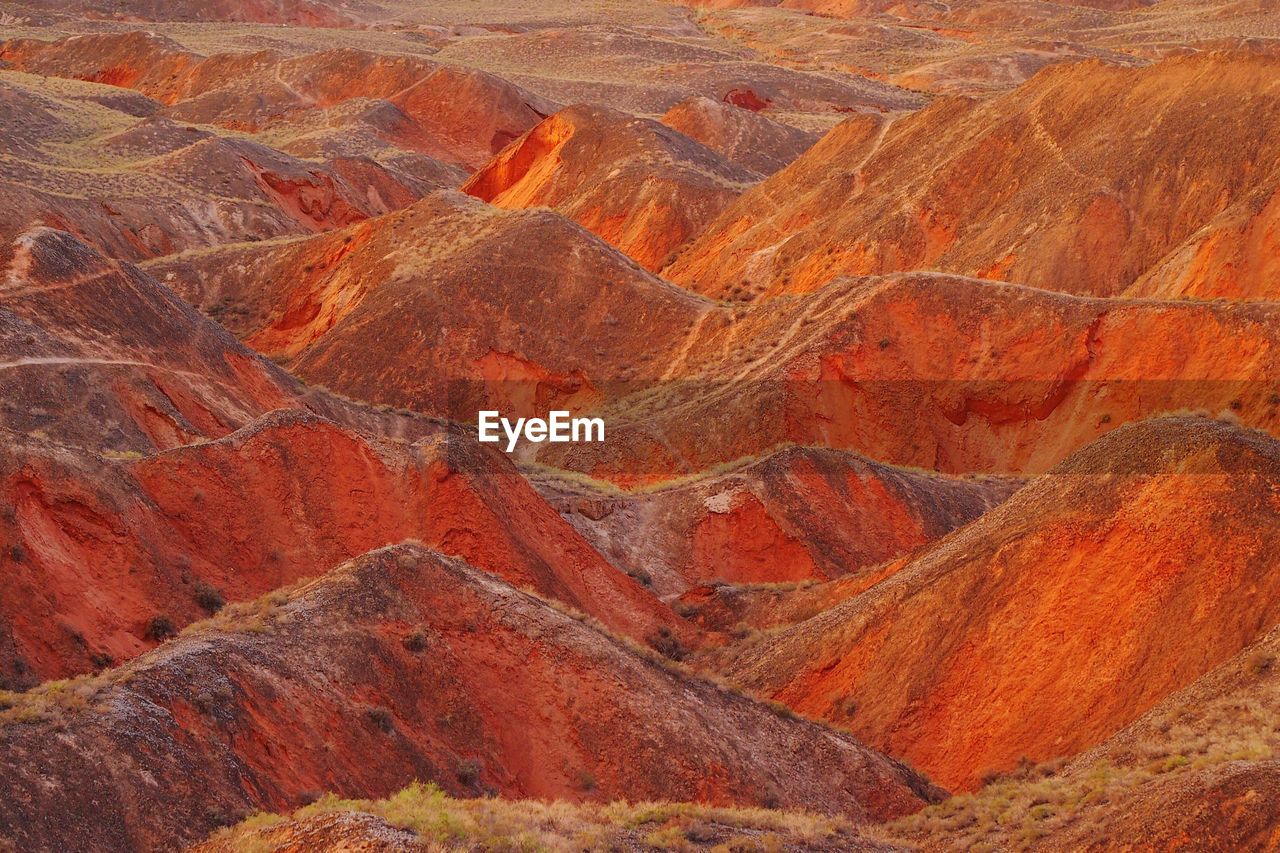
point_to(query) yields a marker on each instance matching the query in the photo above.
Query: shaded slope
(103, 549)
(1081, 180)
(443, 673)
(1131, 570)
(640, 186)
(742, 137)
(797, 514)
(95, 353)
(469, 304)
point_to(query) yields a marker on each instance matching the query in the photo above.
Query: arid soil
(936, 345)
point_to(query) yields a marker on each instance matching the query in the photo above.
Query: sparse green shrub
(1260, 663)
(415, 641)
(641, 576)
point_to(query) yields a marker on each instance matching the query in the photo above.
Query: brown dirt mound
(640, 186)
(1127, 573)
(442, 672)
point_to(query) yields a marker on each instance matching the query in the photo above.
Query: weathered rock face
(524, 310)
(1126, 573)
(798, 514)
(1084, 180)
(442, 672)
(103, 549)
(640, 186)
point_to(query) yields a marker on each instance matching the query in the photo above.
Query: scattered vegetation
(210, 599)
(381, 718)
(159, 628)
(640, 576)
(468, 772)
(415, 641)
(667, 644)
(1034, 800)
(496, 824)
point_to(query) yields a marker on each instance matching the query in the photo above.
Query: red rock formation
(1082, 181)
(797, 514)
(942, 372)
(102, 548)
(1059, 617)
(442, 673)
(466, 300)
(156, 187)
(638, 185)
(94, 353)
(459, 115)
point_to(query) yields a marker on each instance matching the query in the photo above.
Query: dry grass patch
(441, 821)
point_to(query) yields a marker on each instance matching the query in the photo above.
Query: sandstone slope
(1126, 573)
(797, 514)
(96, 354)
(741, 136)
(435, 671)
(472, 306)
(639, 185)
(459, 115)
(1197, 771)
(1082, 181)
(111, 555)
(936, 371)
(134, 184)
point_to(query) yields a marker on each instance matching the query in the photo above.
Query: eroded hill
(1085, 180)
(1124, 574)
(442, 672)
